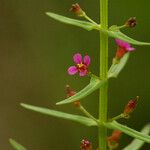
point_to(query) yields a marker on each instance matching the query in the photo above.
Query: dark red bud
(77, 9)
(85, 145)
(115, 137)
(130, 107)
(113, 140)
(131, 22)
(77, 103)
(120, 52)
(70, 93)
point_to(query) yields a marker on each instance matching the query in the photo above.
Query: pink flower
(81, 65)
(123, 47)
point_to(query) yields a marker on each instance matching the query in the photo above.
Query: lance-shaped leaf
(115, 69)
(94, 84)
(137, 144)
(119, 35)
(16, 145)
(133, 133)
(83, 24)
(80, 119)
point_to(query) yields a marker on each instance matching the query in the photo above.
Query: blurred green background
(35, 52)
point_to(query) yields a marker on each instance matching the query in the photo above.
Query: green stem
(89, 19)
(103, 98)
(88, 114)
(116, 117)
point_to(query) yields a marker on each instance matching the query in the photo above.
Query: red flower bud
(131, 22)
(77, 10)
(122, 49)
(115, 137)
(70, 93)
(129, 108)
(120, 52)
(113, 140)
(85, 145)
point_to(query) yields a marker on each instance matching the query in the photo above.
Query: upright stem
(103, 98)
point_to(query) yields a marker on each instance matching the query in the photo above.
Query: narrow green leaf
(81, 119)
(94, 84)
(120, 35)
(89, 26)
(16, 145)
(137, 144)
(83, 24)
(131, 132)
(115, 69)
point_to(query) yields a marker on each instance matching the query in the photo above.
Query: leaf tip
(59, 103)
(23, 105)
(11, 140)
(47, 13)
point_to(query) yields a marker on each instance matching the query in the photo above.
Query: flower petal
(72, 70)
(123, 44)
(83, 73)
(77, 58)
(130, 49)
(87, 60)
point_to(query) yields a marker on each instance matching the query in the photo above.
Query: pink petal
(87, 60)
(123, 44)
(72, 70)
(83, 73)
(77, 58)
(130, 49)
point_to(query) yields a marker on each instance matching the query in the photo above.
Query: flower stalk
(103, 98)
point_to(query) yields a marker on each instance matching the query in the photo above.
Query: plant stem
(103, 98)
(89, 19)
(117, 117)
(88, 114)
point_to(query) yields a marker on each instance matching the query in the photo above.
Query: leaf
(131, 132)
(115, 69)
(112, 32)
(94, 84)
(16, 145)
(137, 144)
(83, 24)
(81, 119)
(119, 35)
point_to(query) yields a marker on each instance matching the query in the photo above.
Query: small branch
(88, 114)
(89, 19)
(117, 117)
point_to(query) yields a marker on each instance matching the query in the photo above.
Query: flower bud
(131, 22)
(85, 145)
(120, 52)
(113, 140)
(77, 10)
(122, 48)
(129, 108)
(70, 93)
